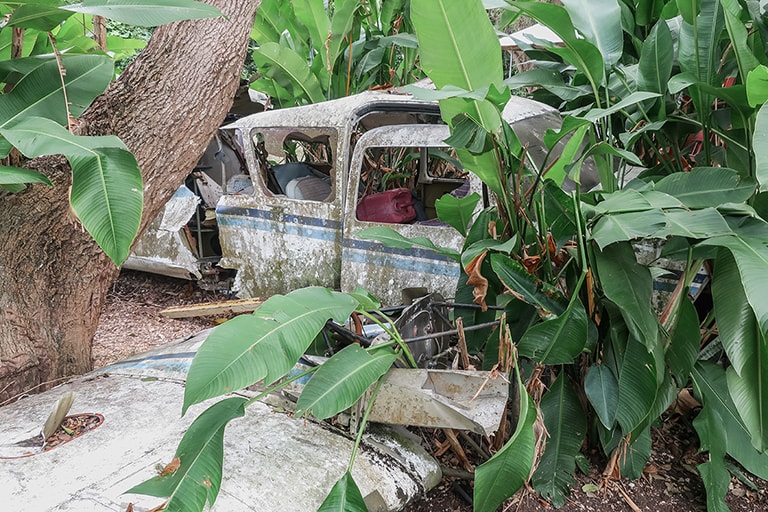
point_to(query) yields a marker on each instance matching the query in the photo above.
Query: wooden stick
(213, 308)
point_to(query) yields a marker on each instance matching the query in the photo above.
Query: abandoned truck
(279, 195)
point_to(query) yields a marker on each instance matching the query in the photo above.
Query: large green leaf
(751, 255)
(289, 69)
(634, 459)
(694, 224)
(507, 471)
(39, 17)
(200, 454)
(736, 323)
(714, 439)
(600, 23)
(602, 391)
(345, 496)
(40, 92)
(559, 340)
(550, 80)
(712, 389)
(342, 380)
(146, 13)
(622, 227)
(707, 187)
(527, 288)
(749, 391)
(629, 286)
(107, 190)
(457, 211)
(638, 385)
(266, 344)
(699, 51)
(739, 36)
(313, 15)
(580, 53)
(459, 47)
(567, 426)
(684, 340)
(656, 59)
(341, 25)
(17, 175)
(761, 148)
(107, 196)
(392, 238)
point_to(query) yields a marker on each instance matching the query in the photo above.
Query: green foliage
(309, 50)
(678, 154)
(197, 479)
(45, 90)
(345, 496)
(655, 107)
(341, 381)
(240, 352)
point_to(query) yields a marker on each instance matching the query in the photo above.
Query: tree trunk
(53, 277)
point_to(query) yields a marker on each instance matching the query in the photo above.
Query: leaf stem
(62, 74)
(363, 421)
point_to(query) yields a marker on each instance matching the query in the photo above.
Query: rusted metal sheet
(464, 400)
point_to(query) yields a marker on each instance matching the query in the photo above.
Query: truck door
(284, 232)
(396, 175)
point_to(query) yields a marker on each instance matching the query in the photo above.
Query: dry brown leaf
(477, 280)
(171, 468)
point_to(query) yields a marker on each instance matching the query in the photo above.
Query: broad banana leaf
(600, 23)
(40, 92)
(707, 187)
(656, 60)
(629, 286)
(739, 35)
(342, 380)
(288, 67)
(107, 190)
(16, 175)
(711, 389)
(39, 17)
(508, 470)
(638, 379)
(567, 426)
(266, 344)
(761, 150)
(146, 13)
(559, 340)
(312, 14)
(602, 391)
(345, 496)
(459, 47)
(197, 476)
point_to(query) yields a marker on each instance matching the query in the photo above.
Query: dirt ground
(131, 323)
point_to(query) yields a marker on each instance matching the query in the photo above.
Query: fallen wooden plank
(213, 308)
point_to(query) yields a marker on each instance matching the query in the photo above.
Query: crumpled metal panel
(464, 400)
(163, 248)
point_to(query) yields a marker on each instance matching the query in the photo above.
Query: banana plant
(309, 51)
(46, 89)
(264, 347)
(571, 285)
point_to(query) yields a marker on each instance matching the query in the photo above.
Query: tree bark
(53, 277)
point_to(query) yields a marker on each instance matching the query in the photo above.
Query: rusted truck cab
(308, 178)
